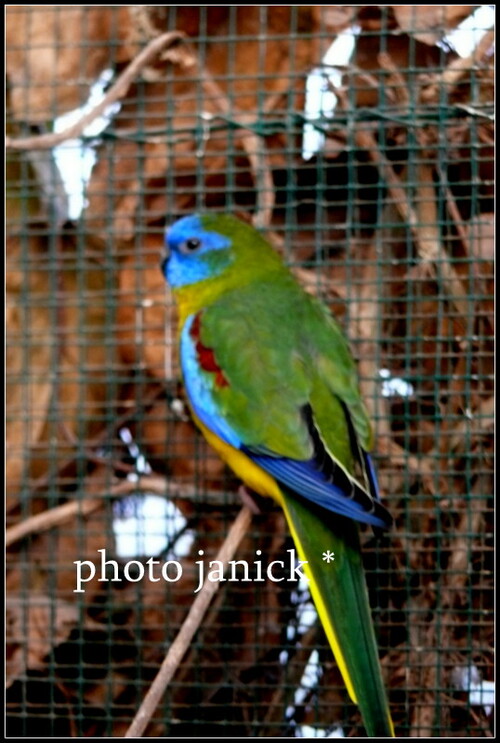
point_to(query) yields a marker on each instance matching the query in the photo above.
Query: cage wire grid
(360, 140)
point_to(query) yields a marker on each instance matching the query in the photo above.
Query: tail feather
(339, 592)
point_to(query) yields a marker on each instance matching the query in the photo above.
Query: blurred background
(360, 140)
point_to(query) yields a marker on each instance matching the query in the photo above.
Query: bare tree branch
(114, 94)
(188, 629)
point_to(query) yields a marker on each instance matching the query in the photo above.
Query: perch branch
(51, 518)
(190, 626)
(114, 94)
(54, 517)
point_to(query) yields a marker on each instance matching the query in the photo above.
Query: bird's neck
(191, 299)
(195, 297)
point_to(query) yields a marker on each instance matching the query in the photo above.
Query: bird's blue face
(194, 253)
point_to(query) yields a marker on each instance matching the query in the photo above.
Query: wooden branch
(482, 419)
(51, 518)
(457, 69)
(191, 624)
(426, 231)
(102, 436)
(422, 219)
(396, 79)
(115, 93)
(429, 249)
(425, 465)
(162, 486)
(430, 647)
(253, 144)
(454, 213)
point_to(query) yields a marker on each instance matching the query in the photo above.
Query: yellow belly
(251, 474)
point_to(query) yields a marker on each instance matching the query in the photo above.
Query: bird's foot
(250, 499)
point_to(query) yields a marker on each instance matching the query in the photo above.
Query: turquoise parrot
(273, 387)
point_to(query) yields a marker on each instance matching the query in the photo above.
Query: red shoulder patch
(206, 356)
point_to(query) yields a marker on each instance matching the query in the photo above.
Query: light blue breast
(198, 386)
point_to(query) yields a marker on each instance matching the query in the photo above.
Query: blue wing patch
(303, 478)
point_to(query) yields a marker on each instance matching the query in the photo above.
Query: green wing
(280, 350)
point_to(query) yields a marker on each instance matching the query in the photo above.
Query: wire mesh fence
(359, 139)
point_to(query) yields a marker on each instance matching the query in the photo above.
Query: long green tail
(339, 592)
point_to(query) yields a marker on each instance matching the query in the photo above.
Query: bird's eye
(189, 246)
